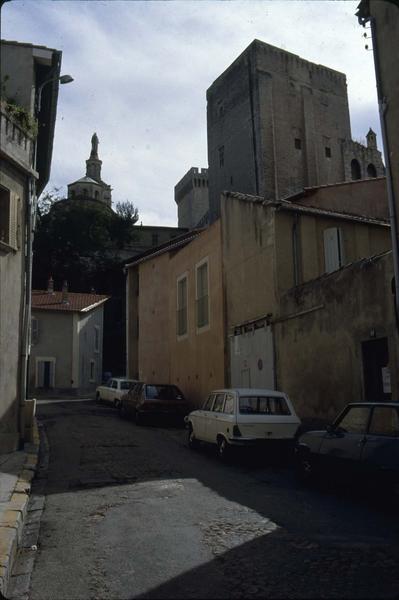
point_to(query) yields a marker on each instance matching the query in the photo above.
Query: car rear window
(163, 392)
(263, 405)
(125, 385)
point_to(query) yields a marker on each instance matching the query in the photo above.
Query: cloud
(141, 72)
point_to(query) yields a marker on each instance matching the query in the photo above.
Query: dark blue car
(363, 441)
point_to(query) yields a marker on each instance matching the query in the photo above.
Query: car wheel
(98, 397)
(116, 402)
(223, 448)
(191, 439)
(305, 469)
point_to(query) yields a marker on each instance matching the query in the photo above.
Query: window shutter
(15, 221)
(333, 249)
(34, 330)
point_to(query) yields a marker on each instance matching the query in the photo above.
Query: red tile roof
(43, 300)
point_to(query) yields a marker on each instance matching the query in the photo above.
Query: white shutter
(15, 221)
(333, 249)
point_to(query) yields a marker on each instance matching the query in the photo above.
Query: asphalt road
(131, 512)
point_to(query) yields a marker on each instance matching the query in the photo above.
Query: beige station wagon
(242, 417)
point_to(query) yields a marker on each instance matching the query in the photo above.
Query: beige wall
(320, 333)
(11, 313)
(195, 362)
(363, 197)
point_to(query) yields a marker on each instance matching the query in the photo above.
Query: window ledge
(7, 248)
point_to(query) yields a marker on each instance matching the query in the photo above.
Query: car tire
(305, 469)
(116, 402)
(224, 450)
(192, 441)
(98, 397)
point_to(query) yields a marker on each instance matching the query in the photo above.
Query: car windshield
(163, 392)
(263, 405)
(126, 385)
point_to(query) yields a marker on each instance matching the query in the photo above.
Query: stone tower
(192, 199)
(278, 123)
(91, 186)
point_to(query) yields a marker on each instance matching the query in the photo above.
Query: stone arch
(355, 169)
(371, 170)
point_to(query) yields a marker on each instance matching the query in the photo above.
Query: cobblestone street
(131, 512)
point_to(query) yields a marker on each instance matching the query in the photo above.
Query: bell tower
(93, 164)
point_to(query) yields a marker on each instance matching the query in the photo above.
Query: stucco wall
(87, 352)
(364, 198)
(194, 362)
(198, 360)
(11, 303)
(55, 339)
(319, 352)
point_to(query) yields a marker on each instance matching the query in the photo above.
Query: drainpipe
(25, 344)
(383, 106)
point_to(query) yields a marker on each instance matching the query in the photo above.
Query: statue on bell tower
(94, 146)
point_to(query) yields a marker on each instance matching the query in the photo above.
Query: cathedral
(91, 186)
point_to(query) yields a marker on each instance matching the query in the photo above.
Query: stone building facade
(192, 198)
(278, 123)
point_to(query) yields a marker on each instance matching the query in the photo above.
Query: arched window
(371, 171)
(85, 192)
(96, 195)
(355, 169)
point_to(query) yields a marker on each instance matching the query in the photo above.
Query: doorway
(376, 372)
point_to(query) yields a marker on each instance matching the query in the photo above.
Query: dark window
(208, 403)
(355, 169)
(327, 151)
(5, 205)
(385, 421)
(355, 420)
(163, 392)
(298, 143)
(263, 405)
(219, 401)
(371, 171)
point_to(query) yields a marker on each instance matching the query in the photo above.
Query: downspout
(25, 344)
(393, 217)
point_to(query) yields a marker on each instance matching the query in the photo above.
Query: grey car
(362, 441)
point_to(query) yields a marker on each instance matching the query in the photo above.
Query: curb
(13, 517)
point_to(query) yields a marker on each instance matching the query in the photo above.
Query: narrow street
(131, 512)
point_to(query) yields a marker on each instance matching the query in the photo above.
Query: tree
(126, 210)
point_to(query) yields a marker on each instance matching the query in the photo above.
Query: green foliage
(80, 241)
(27, 122)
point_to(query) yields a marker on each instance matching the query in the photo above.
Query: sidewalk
(17, 470)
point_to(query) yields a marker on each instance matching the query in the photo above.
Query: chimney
(50, 286)
(65, 293)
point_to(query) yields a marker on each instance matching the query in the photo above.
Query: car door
(341, 447)
(214, 420)
(380, 453)
(200, 416)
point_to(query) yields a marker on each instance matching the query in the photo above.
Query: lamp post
(61, 79)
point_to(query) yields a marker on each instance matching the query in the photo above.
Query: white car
(242, 417)
(114, 389)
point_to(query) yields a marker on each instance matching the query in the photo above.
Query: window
(355, 420)
(221, 156)
(93, 371)
(229, 404)
(327, 151)
(219, 400)
(85, 192)
(96, 338)
(371, 171)
(208, 402)
(263, 405)
(202, 298)
(9, 218)
(45, 372)
(34, 330)
(355, 170)
(298, 143)
(182, 306)
(385, 421)
(96, 194)
(114, 384)
(333, 249)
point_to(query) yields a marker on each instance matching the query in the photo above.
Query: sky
(141, 70)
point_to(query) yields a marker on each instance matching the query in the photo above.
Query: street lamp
(61, 79)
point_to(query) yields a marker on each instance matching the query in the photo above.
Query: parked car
(243, 417)
(146, 400)
(113, 389)
(362, 441)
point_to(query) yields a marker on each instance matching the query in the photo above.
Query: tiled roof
(44, 300)
(172, 244)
